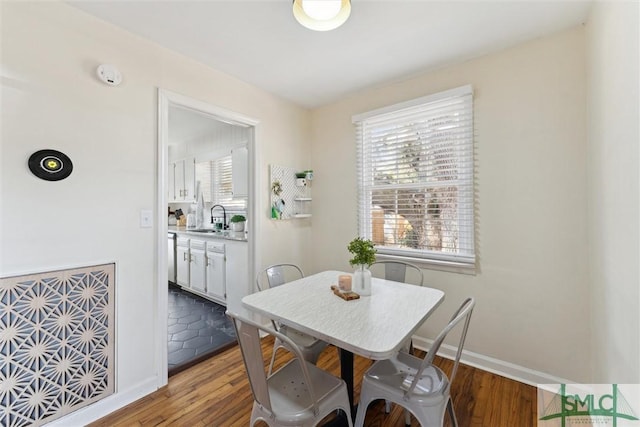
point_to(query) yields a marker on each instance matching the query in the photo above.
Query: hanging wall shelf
(290, 196)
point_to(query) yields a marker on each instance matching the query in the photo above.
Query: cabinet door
(182, 180)
(216, 275)
(182, 265)
(189, 180)
(237, 277)
(240, 172)
(198, 267)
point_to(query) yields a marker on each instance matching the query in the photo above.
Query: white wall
(614, 187)
(52, 99)
(531, 289)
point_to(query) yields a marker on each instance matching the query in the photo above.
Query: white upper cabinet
(181, 180)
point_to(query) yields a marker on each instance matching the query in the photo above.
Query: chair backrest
(462, 313)
(279, 274)
(248, 334)
(397, 271)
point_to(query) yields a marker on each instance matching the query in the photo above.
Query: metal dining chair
(397, 271)
(310, 347)
(417, 384)
(298, 393)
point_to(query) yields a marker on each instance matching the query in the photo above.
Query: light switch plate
(146, 218)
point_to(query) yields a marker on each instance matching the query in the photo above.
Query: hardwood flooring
(216, 392)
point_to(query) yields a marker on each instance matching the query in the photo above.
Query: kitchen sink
(209, 230)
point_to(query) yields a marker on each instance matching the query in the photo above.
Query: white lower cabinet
(183, 259)
(216, 271)
(198, 265)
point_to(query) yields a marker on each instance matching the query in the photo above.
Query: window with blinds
(216, 182)
(415, 178)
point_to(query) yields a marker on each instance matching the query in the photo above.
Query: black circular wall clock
(50, 165)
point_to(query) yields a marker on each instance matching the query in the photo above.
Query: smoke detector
(109, 74)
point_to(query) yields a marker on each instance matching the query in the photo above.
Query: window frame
(457, 262)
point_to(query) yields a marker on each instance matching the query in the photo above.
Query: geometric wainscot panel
(56, 343)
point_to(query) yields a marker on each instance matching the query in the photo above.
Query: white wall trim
(166, 99)
(104, 407)
(493, 365)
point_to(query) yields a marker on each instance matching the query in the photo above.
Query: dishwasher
(216, 271)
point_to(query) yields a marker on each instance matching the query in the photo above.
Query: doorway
(166, 101)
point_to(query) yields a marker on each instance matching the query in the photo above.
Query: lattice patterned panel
(296, 198)
(56, 343)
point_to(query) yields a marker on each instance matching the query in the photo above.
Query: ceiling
(260, 42)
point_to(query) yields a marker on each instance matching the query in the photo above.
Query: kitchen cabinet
(197, 265)
(240, 172)
(171, 258)
(216, 271)
(182, 261)
(213, 267)
(182, 180)
(237, 279)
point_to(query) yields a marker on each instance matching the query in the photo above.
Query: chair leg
(276, 346)
(407, 418)
(365, 399)
(452, 413)
(387, 406)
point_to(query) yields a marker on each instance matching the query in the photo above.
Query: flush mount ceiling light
(321, 15)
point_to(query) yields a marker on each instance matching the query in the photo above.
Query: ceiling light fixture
(321, 15)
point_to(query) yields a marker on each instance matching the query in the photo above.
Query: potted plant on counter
(364, 254)
(237, 222)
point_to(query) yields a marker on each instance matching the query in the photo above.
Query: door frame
(167, 99)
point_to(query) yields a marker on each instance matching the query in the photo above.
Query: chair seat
(395, 376)
(288, 391)
(300, 338)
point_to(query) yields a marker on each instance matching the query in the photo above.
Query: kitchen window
(415, 180)
(215, 179)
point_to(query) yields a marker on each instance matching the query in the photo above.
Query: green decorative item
(364, 253)
(238, 218)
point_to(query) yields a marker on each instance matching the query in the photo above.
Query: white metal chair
(310, 347)
(416, 384)
(297, 394)
(397, 271)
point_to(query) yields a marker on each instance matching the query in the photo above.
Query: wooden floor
(216, 393)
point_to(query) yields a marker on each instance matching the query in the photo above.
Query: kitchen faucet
(224, 215)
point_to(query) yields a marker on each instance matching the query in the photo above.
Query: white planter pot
(237, 226)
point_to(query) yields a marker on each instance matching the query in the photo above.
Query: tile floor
(198, 329)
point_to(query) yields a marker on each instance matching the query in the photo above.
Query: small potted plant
(364, 254)
(237, 222)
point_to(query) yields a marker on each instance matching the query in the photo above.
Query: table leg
(346, 373)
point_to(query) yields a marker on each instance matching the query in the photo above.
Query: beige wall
(614, 189)
(531, 288)
(52, 99)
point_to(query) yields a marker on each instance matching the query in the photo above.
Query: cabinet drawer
(183, 241)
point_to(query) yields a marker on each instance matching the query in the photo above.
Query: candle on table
(344, 282)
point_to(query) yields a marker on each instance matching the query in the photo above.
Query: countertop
(238, 236)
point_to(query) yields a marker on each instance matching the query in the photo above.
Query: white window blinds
(216, 182)
(415, 178)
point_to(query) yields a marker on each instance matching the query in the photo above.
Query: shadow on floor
(198, 329)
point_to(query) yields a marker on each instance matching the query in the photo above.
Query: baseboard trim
(104, 407)
(493, 365)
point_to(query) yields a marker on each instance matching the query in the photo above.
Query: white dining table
(374, 326)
